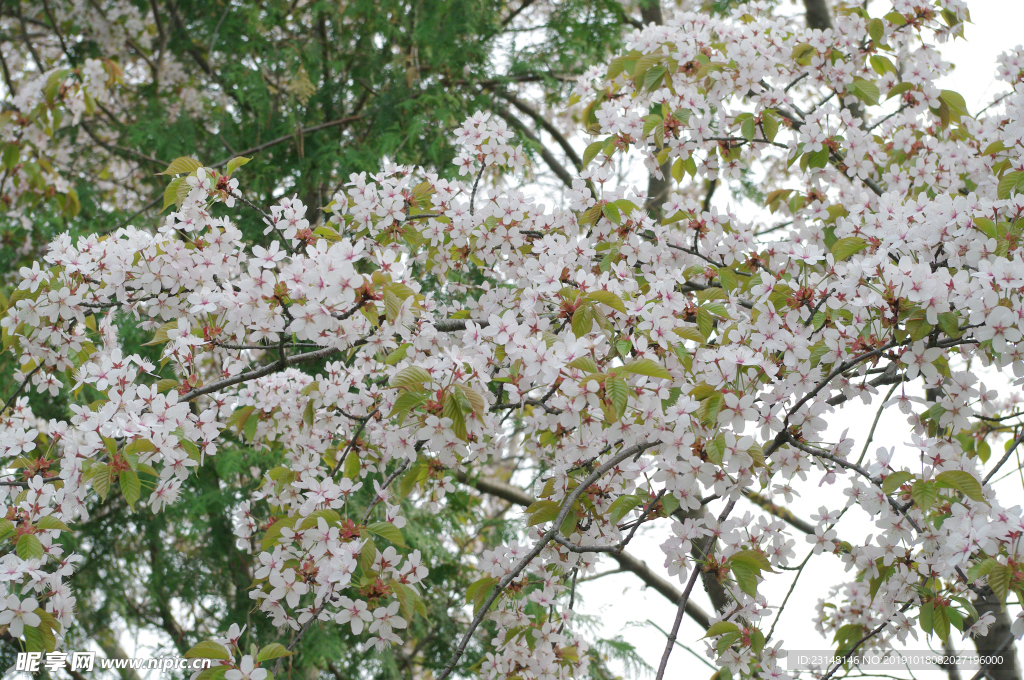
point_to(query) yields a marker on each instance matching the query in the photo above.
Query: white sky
(621, 602)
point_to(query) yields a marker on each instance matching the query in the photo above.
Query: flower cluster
(649, 370)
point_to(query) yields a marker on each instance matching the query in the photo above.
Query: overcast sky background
(621, 602)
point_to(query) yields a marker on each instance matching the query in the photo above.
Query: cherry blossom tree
(605, 365)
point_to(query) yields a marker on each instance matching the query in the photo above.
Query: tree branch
(627, 562)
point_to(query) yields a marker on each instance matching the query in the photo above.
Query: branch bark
(545, 153)
(999, 642)
(627, 562)
(818, 14)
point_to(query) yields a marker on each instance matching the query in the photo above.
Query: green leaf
(755, 558)
(234, 164)
(895, 481)
(846, 247)
(460, 398)
(582, 320)
(898, 89)
(611, 213)
(653, 77)
(747, 129)
(352, 466)
(542, 512)
(160, 336)
(400, 353)
(130, 487)
(392, 305)
(618, 393)
(367, 556)
(817, 159)
(961, 481)
(982, 568)
(452, 409)
(409, 599)
(705, 324)
(329, 515)
(478, 591)
(251, 423)
(274, 650)
(721, 628)
(955, 102)
(728, 278)
(387, 531)
(883, 575)
(29, 547)
(208, 649)
(949, 322)
(769, 124)
(647, 367)
(416, 474)
(171, 193)
(568, 524)
(274, 531)
(802, 51)
(407, 401)
(182, 165)
(876, 29)
(895, 18)
(882, 65)
(34, 641)
(746, 576)
(940, 623)
(927, 617)
(756, 641)
(584, 363)
(984, 451)
(608, 298)
(999, 578)
(726, 641)
(994, 148)
(924, 494)
(238, 418)
(1010, 183)
(678, 168)
(847, 636)
(865, 90)
(410, 376)
(621, 506)
(968, 607)
(591, 152)
(615, 67)
(954, 618)
(49, 522)
(100, 475)
(477, 403)
(650, 122)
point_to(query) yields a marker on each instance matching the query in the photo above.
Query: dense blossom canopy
(640, 369)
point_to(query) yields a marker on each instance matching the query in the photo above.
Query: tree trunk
(650, 12)
(999, 640)
(818, 15)
(657, 189)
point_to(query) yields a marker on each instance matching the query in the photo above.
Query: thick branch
(545, 153)
(627, 562)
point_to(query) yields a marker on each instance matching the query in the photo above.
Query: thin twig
(686, 596)
(24, 382)
(556, 525)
